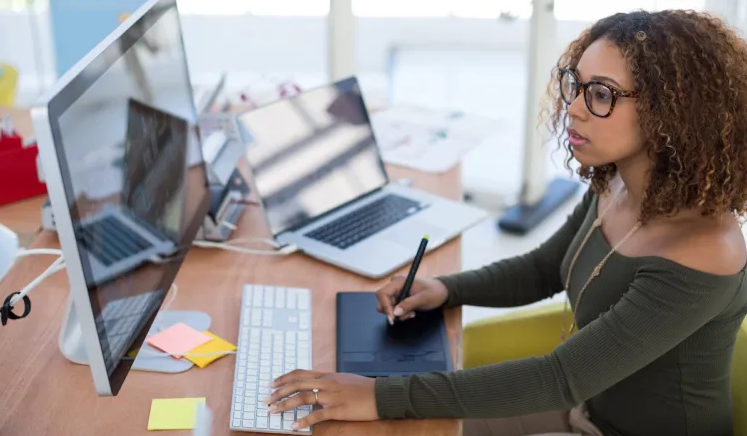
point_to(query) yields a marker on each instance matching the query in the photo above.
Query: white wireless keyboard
(274, 339)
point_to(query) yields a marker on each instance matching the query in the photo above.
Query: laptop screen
(313, 152)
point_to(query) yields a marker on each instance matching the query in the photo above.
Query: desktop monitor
(120, 150)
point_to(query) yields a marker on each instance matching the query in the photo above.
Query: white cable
(174, 291)
(267, 241)
(288, 249)
(57, 265)
(34, 251)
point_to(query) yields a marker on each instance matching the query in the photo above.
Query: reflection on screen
(153, 167)
(312, 153)
(133, 173)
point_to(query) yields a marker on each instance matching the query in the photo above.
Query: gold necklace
(597, 223)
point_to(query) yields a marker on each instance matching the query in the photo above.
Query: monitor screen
(125, 133)
(312, 153)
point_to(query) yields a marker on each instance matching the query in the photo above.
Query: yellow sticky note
(216, 345)
(173, 413)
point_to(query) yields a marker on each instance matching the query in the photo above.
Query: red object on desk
(19, 175)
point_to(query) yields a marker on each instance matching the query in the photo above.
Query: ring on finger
(316, 396)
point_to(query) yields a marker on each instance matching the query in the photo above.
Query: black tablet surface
(367, 345)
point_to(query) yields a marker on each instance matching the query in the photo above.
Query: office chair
(537, 332)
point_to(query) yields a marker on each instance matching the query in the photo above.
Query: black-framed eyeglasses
(600, 98)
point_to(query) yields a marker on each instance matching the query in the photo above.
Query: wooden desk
(44, 394)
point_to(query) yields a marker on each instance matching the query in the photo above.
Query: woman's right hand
(425, 294)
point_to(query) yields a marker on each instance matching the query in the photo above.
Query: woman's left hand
(343, 397)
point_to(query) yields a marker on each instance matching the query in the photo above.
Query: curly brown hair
(690, 70)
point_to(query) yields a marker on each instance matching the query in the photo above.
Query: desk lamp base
(72, 346)
(522, 218)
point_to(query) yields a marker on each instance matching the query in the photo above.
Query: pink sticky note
(178, 339)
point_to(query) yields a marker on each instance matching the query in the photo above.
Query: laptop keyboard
(111, 241)
(366, 221)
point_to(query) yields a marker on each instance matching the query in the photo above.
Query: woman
(653, 106)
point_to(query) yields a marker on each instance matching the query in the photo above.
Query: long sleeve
(519, 280)
(662, 307)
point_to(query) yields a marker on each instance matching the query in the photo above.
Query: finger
(295, 376)
(314, 418)
(411, 303)
(292, 388)
(293, 402)
(407, 316)
(387, 296)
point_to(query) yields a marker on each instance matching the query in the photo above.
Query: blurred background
(455, 55)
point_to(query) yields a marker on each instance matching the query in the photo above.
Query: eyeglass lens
(598, 97)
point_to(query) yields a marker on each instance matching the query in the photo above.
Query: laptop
(322, 185)
(141, 224)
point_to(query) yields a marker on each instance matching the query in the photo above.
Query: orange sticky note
(212, 348)
(178, 339)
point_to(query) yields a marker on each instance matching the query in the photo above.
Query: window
(288, 7)
(592, 10)
(24, 5)
(576, 10)
(14, 5)
(213, 7)
(491, 9)
(254, 7)
(402, 8)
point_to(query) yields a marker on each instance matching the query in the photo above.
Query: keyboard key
(275, 422)
(247, 423)
(303, 301)
(237, 423)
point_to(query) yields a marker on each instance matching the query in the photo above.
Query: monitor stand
(72, 346)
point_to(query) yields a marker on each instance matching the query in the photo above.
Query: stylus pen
(413, 270)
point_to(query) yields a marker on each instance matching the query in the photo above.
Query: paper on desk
(174, 413)
(217, 345)
(429, 140)
(178, 339)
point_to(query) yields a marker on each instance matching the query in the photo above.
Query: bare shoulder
(708, 245)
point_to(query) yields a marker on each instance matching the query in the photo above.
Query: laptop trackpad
(410, 232)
